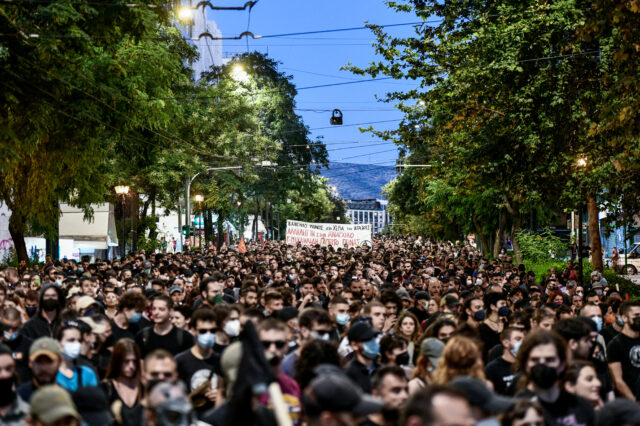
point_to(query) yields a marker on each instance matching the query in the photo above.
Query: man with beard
(45, 357)
(249, 297)
(19, 344)
(46, 320)
(390, 384)
(273, 334)
(13, 409)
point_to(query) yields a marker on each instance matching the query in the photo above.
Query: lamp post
(199, 198)
(582, 163)
(122, 191)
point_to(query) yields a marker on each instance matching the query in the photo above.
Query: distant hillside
(359, 181)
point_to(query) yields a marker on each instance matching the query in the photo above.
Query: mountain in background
(359, 181)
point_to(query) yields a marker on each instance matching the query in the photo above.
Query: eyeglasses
(206, 330)
(162, 375)
(279, 343)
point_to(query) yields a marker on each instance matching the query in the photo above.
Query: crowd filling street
(411, 331)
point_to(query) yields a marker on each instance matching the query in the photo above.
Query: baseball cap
(93, 405)
(403, 293)
(45, 346)
(175, 288)
(5, 350)
(479, 395)
(84, 302)
(618, 412)
(73, 291)
(432, 348)
(51, 403)
(97, 328)
(596, 284)
(336, 393)
(421, 295)
(361, 331)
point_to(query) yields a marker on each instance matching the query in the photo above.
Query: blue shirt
(71, 384)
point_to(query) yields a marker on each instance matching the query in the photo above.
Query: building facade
(369, 211)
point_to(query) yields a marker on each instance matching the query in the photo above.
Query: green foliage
(624, 285)
(541, 268)
(541, 246)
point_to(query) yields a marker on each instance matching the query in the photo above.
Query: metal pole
(580, 281)
(123, 245)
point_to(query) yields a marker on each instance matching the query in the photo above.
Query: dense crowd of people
(411, 331)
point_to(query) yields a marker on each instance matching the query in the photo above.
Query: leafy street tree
(509, 96)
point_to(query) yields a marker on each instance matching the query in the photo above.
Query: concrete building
(369, 211)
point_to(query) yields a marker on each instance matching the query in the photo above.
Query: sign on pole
(328, 234)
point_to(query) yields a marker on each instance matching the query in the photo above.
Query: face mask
(292, 277)
(89, 313)
(598, 321)
(449, 288)
(342, 319)
(49, 305)
(7, 394)
(288, 257)
(72, 349)
(265, 278)
(516, 348)
(216, 300)
(81, 270)
(543, 376)
(371, 349)
(232, 328)
(599, 292)
(580, 294)
(135, 317)
(206, 340)
(619, 321)
(10, 337)
(31, 310)
(403, 358)
(469, 282)
(320, 335)
(635, 325)
(504, 311)
(58, 283)
(479, 315)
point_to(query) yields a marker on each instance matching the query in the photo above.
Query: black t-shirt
(489, 337)
(609, 333)
(567, 410)
(176, 341)
(121, 333)
(500, 373)
(626, 351)
(420, 314)
(194, 372)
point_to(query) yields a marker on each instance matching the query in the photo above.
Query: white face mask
(72, 349)
(232, 328)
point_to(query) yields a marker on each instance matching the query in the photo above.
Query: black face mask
(403, 358)
(7, 395)
(479, 315)
(357, 295)
(31, 310)
(49, 305)
(635, 325)
(543, 376)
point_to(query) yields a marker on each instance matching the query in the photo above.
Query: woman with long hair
(460, 357)
(123, 379)
(407, 326)
(430, 353)
(581, 379)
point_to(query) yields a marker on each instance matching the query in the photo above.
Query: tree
(506, 99)
(69, 102)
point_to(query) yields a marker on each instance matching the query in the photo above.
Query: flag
(241, 247)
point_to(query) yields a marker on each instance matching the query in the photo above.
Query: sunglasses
(279, 343)
(206, 330)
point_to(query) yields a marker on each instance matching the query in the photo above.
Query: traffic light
(185, 230)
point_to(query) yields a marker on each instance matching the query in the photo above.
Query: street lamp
(199, 198)
(239, 74)
(581, 162)
(122, 191)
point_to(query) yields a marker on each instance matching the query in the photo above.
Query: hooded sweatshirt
(39, 325)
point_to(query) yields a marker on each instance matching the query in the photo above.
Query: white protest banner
(327, 234)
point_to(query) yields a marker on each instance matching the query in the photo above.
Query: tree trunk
(484, 243)
(499, 239)
(514, 211)
(17, 229)
(594, 234)
(153, 228)
(220, 238)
